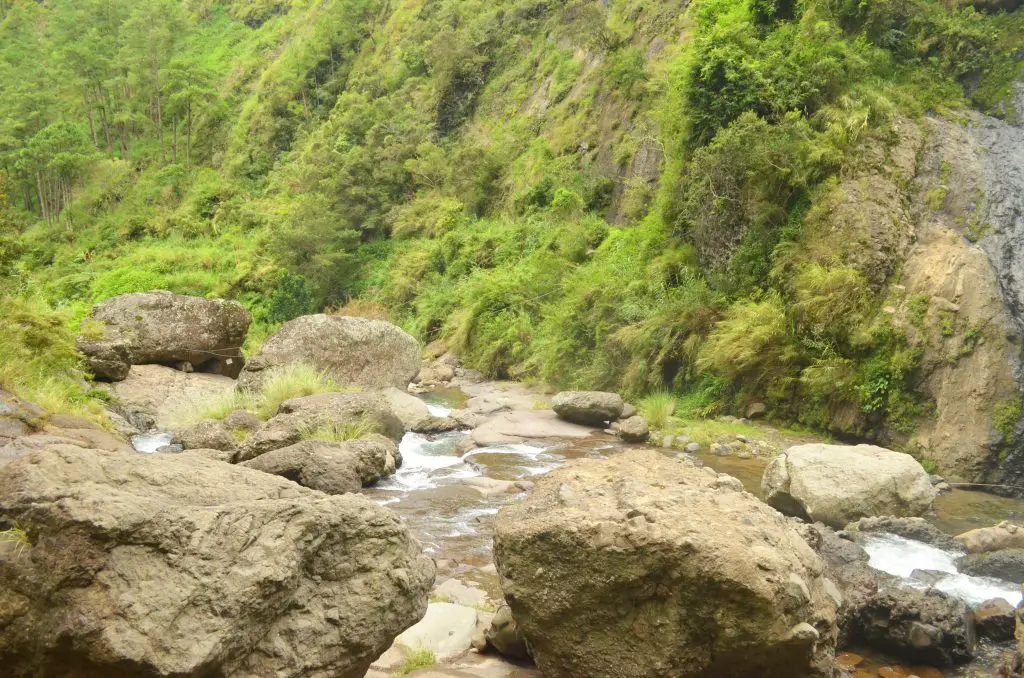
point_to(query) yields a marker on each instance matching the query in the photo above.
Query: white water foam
(148, 443)
(438, 410)
(900, 557)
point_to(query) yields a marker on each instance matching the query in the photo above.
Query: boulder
(175, 565)
(646, 566)
(192, 333)
(635, 430)
(588, 408)
(1007, 565)
(1005, 535)
(929, 627)
(331, 467)
(837, 484)
(369, 354)
(628, 410)
(157, 396)
(995, 619)
(504, 635)
(242, 420)
(917, 529)
(412, 411)
(299, 415)
(205, 435)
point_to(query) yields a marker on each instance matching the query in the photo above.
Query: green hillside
(629, 195)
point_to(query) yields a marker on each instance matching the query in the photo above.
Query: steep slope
(737, 202)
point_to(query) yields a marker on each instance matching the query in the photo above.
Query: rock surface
(204, 335)
(930, 626)
(359, 352)
(174, 565)
(157, 396)
(917, 529)
(634, 430)
(589, 408)
(837, 484)
(1005, 535)
(1007, 565)
(331, 467)
(205, 435)
(504, 636)
(521, 425)
(715, 582)
(324, 409)
(446, 630)
(995, 619)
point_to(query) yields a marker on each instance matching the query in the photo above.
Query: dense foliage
(627, 195)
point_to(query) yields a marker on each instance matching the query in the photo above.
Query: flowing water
(149, 443)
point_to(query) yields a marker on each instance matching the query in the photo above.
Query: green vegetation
(1007, 416)
(18, 538)
(340, 433)
(417, 659)
(290, 381)
(639, 196)
(657, 408)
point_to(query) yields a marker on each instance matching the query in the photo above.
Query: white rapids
(900, 557)
(149, 443)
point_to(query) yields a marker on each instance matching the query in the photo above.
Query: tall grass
(339, 433)
(657, 408)
(291, 381)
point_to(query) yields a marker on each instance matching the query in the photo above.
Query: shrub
(657, 408)
(290, 381)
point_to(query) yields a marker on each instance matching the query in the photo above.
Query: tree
(55, 157)
(189, 90)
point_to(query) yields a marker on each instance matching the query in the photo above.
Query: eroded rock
(716, 583)
(332, 467)
(175, 565)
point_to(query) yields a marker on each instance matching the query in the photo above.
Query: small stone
(744, 455)
(666, 441)
(693, 448)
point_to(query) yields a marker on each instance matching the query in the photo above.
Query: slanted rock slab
(642, 566)
(838, 484)
(175, 565)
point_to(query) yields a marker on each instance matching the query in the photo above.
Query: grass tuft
(291, 381)
(657, 408)
(339, 433)
(18, 537)
(417, 659)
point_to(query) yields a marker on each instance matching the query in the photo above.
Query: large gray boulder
(837, 484)
(332, 467)
(646, 566)
(189, 333)
(589, 408)
(175, 565)
(298, 416)
(369, 354)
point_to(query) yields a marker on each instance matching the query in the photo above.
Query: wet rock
(1005, 535)
(995, 619)
(690, 557)
(930, 627)
(174, 565)
(634, 430)
(720, 450)
(504, 635)
(331, 467)
(838, 484)
(174, 449)
(206, 335)
(437, 425)
(446, 630)
(917, 529)
(1007, 564)
(588, 408)
(337, 410)
(359, 352)
(208, 435)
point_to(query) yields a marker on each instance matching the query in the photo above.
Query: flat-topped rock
(589, 408)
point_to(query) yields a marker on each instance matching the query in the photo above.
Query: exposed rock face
(995, 619)
(163, 397)
(360, 352)
(967, 260)
(325, 409)
(930, 627)
(174, 565)
(634, 429)
(204, 335)
(25, 427)
(1005, 535)
(334, 468)
(589, 408)
(838, 484)
(1007, 564)
(715, 582)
